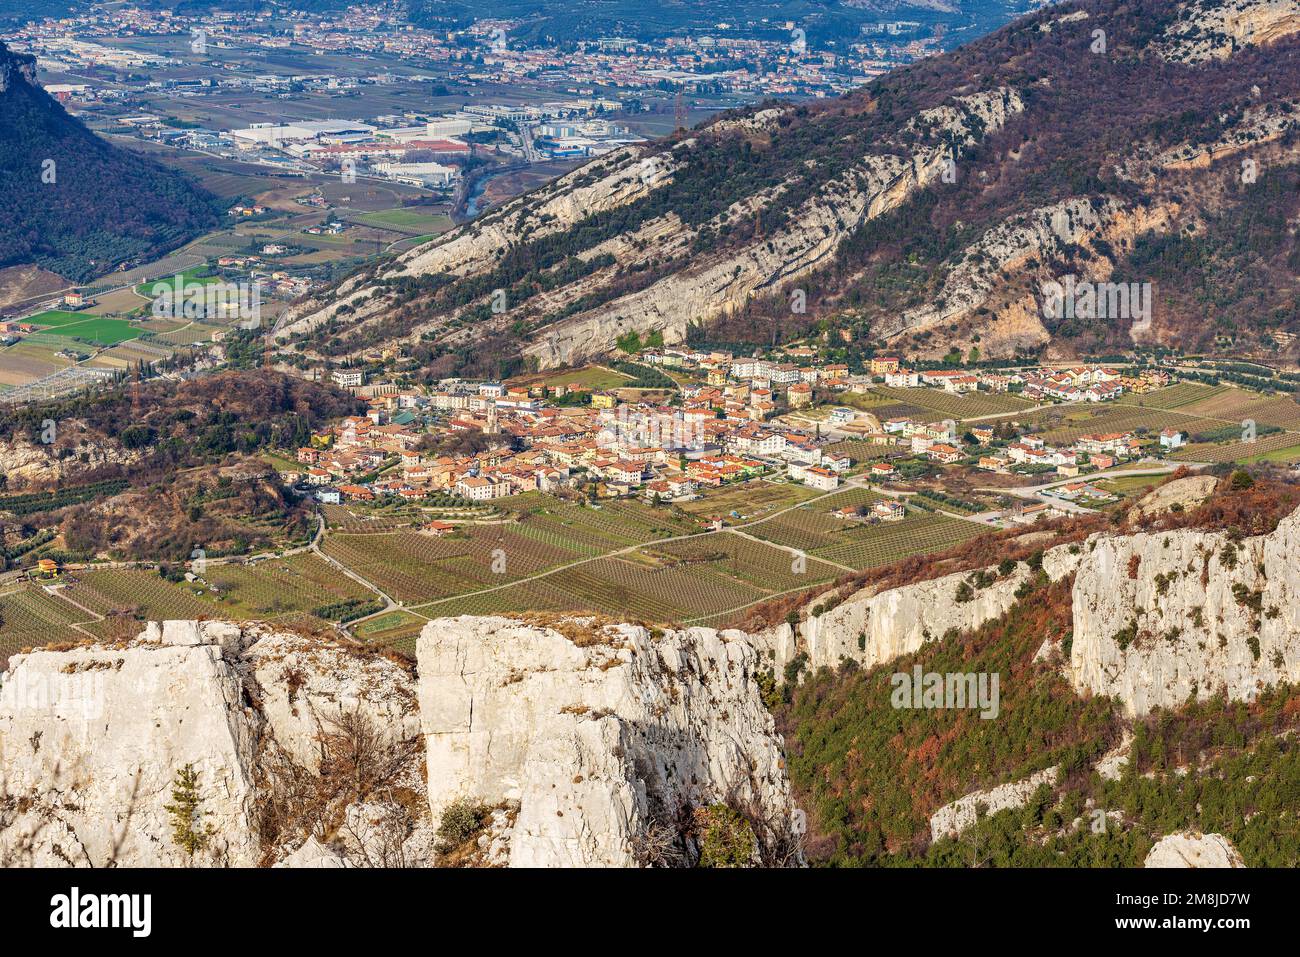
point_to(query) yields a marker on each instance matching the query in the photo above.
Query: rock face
(92, 738)
(1183, 492)
(951, 819)
(1186, 849)
(1166, 617)
(872, 627)
(598, 733)
(1215, 29)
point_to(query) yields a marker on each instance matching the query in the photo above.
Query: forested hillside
(55, 209)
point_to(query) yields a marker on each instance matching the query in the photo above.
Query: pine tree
(188, 831)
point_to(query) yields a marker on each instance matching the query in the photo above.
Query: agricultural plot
(418, 568)
(280, 586)
(591, 377)
(1262, 447)
(804, 528)
(30, 617)
(749, 500)
(860, 451)
(1236, 405)
(343, 518)
(405, 220)
(392, 628)
(146, 595)
(946, 404)
(754, 563)
(871, 545)
(91, 328)
(1121, 418)
(1175, 396)
(188, 335)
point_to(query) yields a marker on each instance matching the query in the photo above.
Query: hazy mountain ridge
(1124, 164)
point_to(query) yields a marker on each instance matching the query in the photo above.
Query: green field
(80, 325)
(405, 220)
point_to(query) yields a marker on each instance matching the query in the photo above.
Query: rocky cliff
(588, 743)
(600, 734)
(1161, 618)
(872, 626)
(93, 739)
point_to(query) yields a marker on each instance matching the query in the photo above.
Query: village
(730, 419)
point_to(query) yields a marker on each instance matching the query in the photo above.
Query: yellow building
(603, 400)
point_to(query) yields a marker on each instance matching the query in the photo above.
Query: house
(348, 378)
(438, 527)
(822, 479)
(479, 489)
(47, 567)
(947, 454)
(902, 379)
(882, 470)
(799, 395)
(889, 510)
(1172, 439)
(882, 365)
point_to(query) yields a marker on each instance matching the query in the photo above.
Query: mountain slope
(55, 208)
(926, 210)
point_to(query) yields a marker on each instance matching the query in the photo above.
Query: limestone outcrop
(1166, 617)
(601, 734)
(1187, 849)
(92, 739)
(951, 819)
(872, 626)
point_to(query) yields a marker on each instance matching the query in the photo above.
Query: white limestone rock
(1190, 849)
(596, 734)
(1166, 617)
(91, 740)
(951, 819)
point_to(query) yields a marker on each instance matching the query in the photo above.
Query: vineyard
(951, 406)
(30, 617)
(416, 568)
(1236, 451)
(870, 545)
(279, 586)
(1175, 396)
(673, 582)
(1234, 405)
